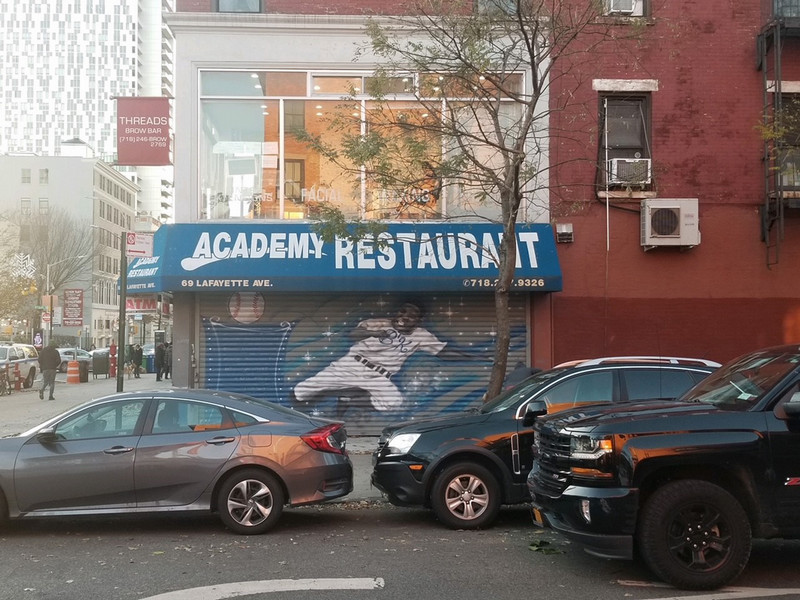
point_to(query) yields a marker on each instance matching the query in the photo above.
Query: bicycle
(5, 383)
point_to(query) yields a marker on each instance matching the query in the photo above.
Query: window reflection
(254, 162)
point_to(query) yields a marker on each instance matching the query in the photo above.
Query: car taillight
(322, 439)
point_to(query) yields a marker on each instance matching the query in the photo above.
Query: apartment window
(44, 206)
(240, 6)
(44, 176)
(787, 8)
(493, 6)
(625, 140)
(625, 8)
(787, 147)
(25, 206)
(26, 176)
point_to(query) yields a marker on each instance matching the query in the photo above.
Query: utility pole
(123, 288)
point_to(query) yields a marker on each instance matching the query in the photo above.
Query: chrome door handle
(218, 441)
(118, 450)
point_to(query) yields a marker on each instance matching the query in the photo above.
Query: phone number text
(485, 282)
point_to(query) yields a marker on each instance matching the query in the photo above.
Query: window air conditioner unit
(628, 8)
(670, 222)
(629, 171)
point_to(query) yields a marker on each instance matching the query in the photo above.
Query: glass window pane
(253, 83)
(237, 141)
(625, 125)
(107, 420)
(173, 416)
(310, 177)
(232, 83)
(404, 181)
(343, 86)
(380, 86)
(248, 6)
(287, 84)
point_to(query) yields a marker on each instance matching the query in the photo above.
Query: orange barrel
(73, 372)
(17, 378)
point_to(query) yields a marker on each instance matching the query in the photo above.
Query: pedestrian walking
(49, 361)
(167, 360)
(136, 359)
(159, 358)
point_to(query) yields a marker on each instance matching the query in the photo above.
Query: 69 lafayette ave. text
(226, 283)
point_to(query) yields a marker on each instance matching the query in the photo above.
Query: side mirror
(792, 407)
(47, 435)
(535, 408)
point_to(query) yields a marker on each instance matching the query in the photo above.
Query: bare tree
(54, 238)
(479, 123)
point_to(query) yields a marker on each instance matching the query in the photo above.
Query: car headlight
(401, 443)
(586, 447)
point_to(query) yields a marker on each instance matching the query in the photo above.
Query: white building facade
(62, 63)
(100, 202)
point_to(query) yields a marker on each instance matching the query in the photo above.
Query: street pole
(123, 288)
(50, 295)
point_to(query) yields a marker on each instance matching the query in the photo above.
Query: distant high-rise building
(62, 63)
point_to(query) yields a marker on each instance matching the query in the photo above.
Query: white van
(23, 355)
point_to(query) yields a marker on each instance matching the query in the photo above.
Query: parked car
(162, 451)
(685, 484)
(23, 355)
(73, 354)
(467, 465)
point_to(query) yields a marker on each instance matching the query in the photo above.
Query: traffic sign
(138, 245)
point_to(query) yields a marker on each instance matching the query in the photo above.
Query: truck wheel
(466, 496)
(694, 535)
(29, 379)
(250, 502)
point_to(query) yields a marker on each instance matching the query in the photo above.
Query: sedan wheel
(250, 502)
(466, 496)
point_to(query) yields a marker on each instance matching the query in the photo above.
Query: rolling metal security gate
(265, 344)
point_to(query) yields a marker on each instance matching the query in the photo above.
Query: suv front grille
(551, 473)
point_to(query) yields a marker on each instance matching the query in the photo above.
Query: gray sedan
(178, 449)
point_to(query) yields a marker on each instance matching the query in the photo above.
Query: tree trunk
(502, 294)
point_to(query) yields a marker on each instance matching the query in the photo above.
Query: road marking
(243, 588)
(731, 593)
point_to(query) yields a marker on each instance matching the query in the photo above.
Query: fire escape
(779, 36)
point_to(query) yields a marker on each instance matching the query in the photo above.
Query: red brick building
(691, 71)
(676, 218)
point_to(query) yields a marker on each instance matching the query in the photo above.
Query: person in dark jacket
(136, 359)
(159, 359)
(49, 361)
(167, 359)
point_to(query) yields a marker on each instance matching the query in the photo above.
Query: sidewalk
(23, 410)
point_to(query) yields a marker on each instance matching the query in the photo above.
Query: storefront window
(254, 162)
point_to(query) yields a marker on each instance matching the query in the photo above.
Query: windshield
(521, 391)
(740, 384)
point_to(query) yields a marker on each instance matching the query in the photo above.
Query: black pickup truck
(688, 483)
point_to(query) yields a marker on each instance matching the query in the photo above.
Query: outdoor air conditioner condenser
(669, 222)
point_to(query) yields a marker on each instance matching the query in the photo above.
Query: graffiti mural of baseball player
(381, 348)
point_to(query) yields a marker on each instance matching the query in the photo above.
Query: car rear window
(647, 384)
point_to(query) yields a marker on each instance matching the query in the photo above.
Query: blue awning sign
(293, 257)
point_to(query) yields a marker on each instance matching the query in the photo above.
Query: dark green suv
(466, 465)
